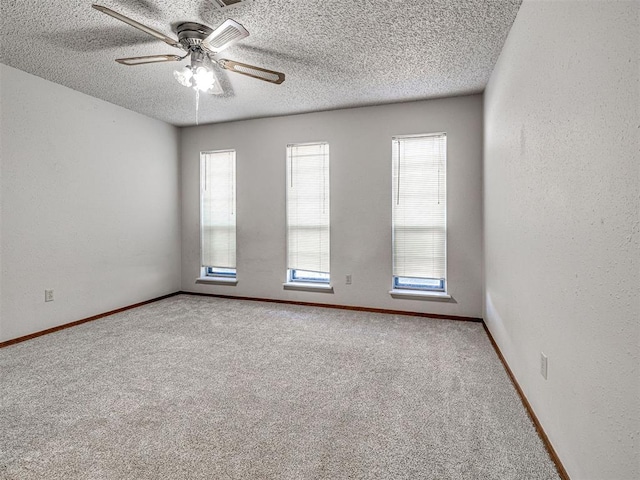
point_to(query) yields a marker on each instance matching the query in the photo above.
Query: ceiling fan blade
(224, 36)
(131, 61)
(252, 71)
(139, 26)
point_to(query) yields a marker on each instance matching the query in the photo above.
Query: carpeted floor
(207, 388)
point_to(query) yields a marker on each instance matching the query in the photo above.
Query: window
(218, 214)
(308, 213)
(419, 212)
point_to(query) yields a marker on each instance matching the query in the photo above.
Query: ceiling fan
(203, 44)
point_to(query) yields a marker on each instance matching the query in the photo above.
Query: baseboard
(339, 307)
(84, 320)
(541, 433)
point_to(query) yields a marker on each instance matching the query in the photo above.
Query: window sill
(217, 280)
(309, 287)
(417, 294)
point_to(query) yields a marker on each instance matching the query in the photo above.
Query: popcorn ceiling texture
(335, 54)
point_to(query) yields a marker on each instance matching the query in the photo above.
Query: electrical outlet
(48, 295)
(348, 279)
(543, 365)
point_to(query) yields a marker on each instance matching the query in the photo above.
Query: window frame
(296, 276)
(210, 273)
(399, 284)
(220, 272)
(403, 283)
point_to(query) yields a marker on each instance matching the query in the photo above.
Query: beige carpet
(205, 388)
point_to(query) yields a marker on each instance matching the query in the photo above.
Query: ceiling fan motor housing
(191, 34)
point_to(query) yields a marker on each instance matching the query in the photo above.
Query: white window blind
(218, 208)
(308, 207)
(420, 211)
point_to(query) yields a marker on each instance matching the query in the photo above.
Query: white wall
(90, 205)
(360, 165)
(561, 210)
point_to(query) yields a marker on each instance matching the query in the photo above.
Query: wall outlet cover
(543, 365)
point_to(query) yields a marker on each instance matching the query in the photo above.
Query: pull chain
(197, 104)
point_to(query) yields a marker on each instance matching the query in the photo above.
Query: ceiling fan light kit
(199, 74)
(202, 43)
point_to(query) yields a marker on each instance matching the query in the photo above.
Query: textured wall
(360, 165)
(561, 209)
(89, 205)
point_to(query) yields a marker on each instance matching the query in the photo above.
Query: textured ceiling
(335, 53)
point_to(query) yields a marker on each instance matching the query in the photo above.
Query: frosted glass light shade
(203, 79)
(184, 76)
